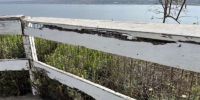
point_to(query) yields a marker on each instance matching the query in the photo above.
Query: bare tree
(172, 9)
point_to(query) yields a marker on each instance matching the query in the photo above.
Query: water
(133, 13)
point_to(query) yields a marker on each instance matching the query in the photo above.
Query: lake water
(134, 13)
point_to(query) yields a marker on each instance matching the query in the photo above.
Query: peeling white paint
(147, 30)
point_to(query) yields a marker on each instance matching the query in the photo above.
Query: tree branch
(173, 18)
(181, 9)
(170, 7)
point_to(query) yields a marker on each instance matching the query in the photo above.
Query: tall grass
(11, 47)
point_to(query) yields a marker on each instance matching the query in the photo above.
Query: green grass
(11, 47)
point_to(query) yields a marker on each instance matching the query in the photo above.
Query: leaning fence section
(142, 61)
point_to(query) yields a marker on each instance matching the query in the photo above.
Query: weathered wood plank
(178, 54)
(172, 32)
(13, 65)
(96, 91)
(167, 44)
(10, 27)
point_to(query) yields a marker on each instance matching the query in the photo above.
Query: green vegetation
(132, 77)
(11, 47)
(14, 83)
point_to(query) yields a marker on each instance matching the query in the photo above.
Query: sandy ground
(27, 97)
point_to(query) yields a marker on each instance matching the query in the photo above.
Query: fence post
(30, 50)
(29, 46)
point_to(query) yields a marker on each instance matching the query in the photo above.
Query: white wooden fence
(167, 44)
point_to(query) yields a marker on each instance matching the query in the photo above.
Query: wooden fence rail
(167, 44)
(94, 90)
(13, 65)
